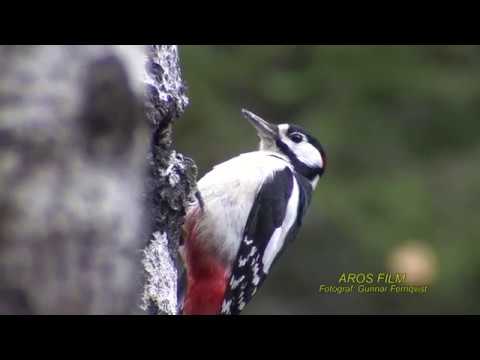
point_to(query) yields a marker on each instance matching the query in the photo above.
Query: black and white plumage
(253, 207)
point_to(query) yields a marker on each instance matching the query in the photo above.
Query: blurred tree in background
(402, 187)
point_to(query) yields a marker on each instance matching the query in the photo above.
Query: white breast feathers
(228, 192)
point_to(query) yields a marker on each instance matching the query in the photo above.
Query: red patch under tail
(206, 276)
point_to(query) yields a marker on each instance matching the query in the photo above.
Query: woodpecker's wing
(273, 221)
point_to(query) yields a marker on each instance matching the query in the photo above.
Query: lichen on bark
(171, 181)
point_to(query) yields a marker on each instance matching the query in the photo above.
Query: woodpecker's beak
(265, 130)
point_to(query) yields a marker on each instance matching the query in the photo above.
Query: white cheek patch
(304, 151)
(307, 154)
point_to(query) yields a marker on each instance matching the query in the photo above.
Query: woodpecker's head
(303, 151)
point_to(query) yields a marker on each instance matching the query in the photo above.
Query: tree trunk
(171, 183)
(89, 179)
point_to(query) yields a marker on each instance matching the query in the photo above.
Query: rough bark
(171, 183)
(86, 179)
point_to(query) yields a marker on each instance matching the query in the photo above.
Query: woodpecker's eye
(296, 137)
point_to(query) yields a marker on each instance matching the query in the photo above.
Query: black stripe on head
(301, 168)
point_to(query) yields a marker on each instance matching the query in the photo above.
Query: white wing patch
(256, 278)
(278, 237)
(234, 283)
(226, 307)
(273, 247)
(242, 261)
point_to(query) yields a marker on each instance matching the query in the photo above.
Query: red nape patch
(207, 277)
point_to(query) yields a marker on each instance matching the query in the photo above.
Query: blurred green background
(401, 191)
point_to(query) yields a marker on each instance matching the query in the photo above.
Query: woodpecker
(250, 207)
